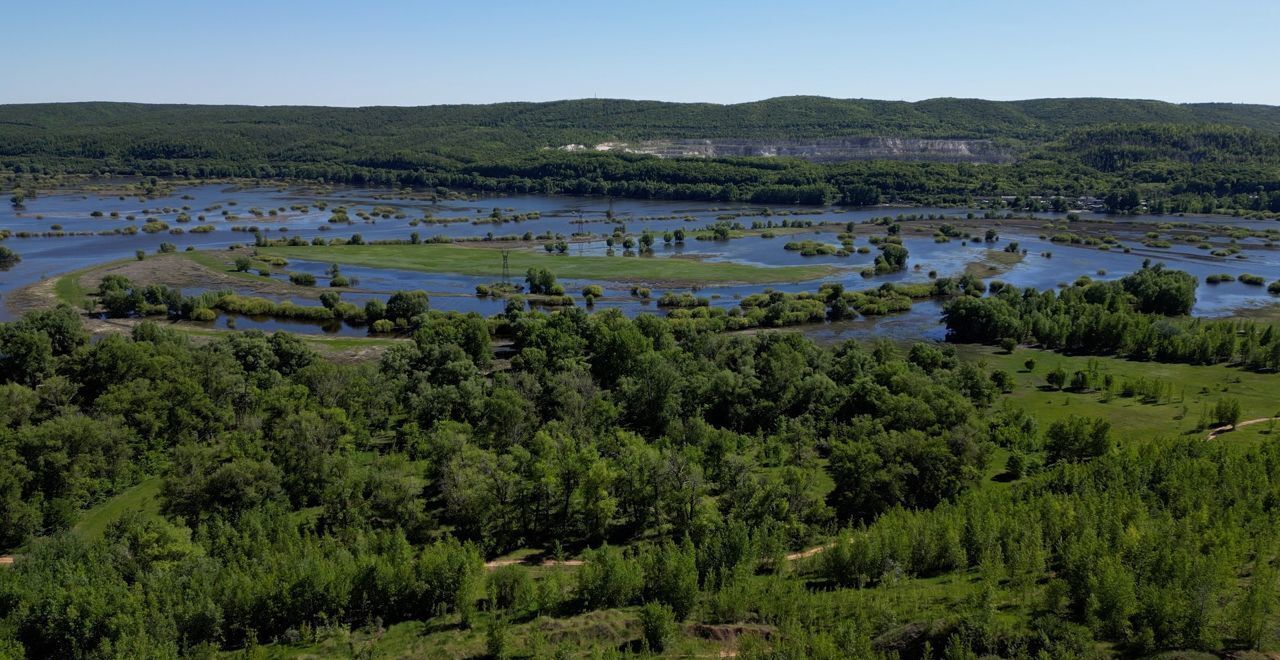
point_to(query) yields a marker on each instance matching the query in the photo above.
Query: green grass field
(144, 498)
(223, 263)
(1192, 388)
(438, 258)
(69, 290)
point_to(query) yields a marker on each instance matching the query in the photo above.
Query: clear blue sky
(384, 52)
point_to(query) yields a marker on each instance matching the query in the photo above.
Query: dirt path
(1213, 433)
(6, 559)
(805, 554)
(496, 563)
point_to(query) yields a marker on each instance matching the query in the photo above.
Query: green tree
(1077, 438)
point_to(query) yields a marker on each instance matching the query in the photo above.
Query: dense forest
(1163, 157)
(299, 496)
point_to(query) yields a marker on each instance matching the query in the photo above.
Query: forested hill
(1193, 157)
(473, 130)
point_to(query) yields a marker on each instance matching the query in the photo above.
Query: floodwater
(225, 208)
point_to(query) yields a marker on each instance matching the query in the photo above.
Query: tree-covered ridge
(554, 123)
(1175, 158)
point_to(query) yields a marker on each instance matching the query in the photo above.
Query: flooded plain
(59, 233)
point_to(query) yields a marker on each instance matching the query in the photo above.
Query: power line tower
(506, 267)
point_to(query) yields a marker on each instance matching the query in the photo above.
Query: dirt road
(496, 563)
(1213, 433)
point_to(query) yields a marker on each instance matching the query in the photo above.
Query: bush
(659, 626)
(340, 281)
(1227, 411)
(892, 258)
(203, 314)
(607, 579)
(383, 326)
(593, 290)
(1008, 344)
(242, 264)
(405, 305)
(302, 279)
(541, 281)
(1016, 465)
(1057, 378)
(1077, 438)
(495, 638)
(511, 588)
(671, 578)
(8, 258)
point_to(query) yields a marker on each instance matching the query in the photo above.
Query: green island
(488, 262)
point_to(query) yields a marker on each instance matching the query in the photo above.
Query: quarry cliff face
(822, 150)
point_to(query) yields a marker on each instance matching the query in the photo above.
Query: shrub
(242, 264)
(593, 290)
(659, 626)
(607, 579)
(203, 314)
(541, 281)
(8, 258)
(1227, 411)
(383, 326)
(302, 279)
(405, 305)
(510, 587)
(1002, 380)
(1077, 438)
(1057, 378)
(495, 638)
